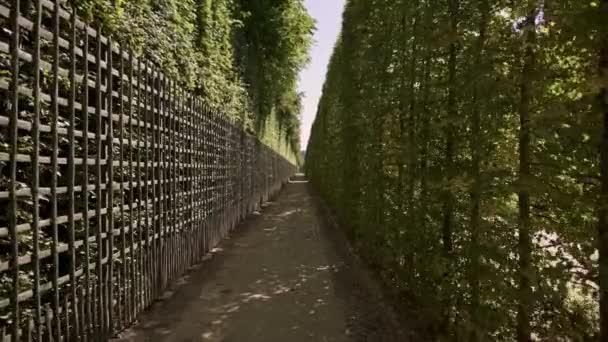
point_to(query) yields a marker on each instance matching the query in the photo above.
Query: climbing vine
(242, 56)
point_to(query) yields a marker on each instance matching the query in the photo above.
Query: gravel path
(282, 276)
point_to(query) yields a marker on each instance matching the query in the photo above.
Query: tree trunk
(425, 118)
(525, 240)
(424, 143)
(452, 112)
(603, 205)
(413, 147)
(476, 143)
(402, 114)
(448, 195)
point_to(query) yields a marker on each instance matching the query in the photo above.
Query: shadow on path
(280, 277)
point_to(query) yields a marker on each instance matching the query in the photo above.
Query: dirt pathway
(282, 276)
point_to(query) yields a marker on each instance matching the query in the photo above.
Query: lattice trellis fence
(114, 179)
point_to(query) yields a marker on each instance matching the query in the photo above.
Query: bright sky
(328, 14)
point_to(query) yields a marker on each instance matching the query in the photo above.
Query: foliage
(242, 56)
(457, 141)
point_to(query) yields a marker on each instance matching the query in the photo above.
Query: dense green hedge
(242, 56)
(458, 142)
